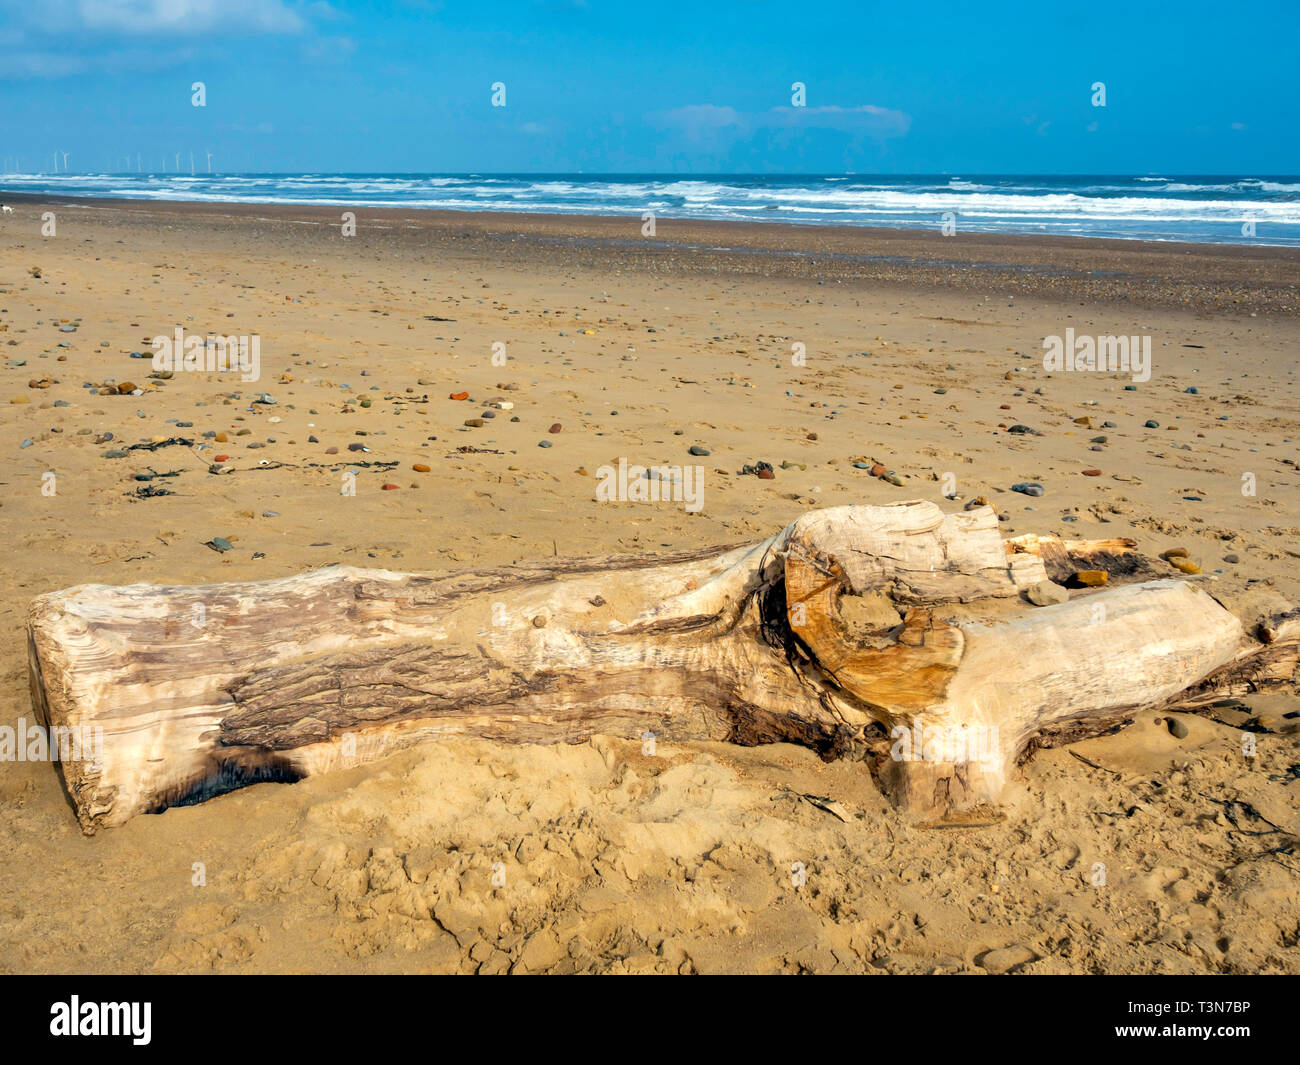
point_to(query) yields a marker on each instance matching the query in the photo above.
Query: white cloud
(188, 16)
(700, 121)
(43, 63)
(137, 18)
(868, 118)
(60, 38)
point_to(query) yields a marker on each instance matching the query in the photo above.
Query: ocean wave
(1151, 206)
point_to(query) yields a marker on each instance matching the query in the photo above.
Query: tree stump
(870, 627)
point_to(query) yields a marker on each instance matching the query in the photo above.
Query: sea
(1166, 207)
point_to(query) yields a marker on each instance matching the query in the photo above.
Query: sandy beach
(818, 350)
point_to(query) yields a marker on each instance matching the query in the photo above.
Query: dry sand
(614, 861)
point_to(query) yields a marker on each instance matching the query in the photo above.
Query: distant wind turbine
(65, 162)
(209, 162)
(191, 164)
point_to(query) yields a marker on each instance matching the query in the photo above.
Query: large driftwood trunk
(890, 624)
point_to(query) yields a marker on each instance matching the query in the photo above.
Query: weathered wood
(847, 619)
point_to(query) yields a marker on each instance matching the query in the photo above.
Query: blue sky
(700, 87)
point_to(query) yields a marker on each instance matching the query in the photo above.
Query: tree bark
(850, 626)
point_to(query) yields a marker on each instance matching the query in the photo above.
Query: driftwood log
(892, 629)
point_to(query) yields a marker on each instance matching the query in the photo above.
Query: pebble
(1232, 560)
(115, 454)
(220, 543)
(270, 513)
(544, 443)
(978, 501)
(1091, 578)
(696, 449)
(1192, 390)
(1092, 473)
(357, 447)
(1151, 423)
(892, 478)
(1184, 565)
(1029, 488)
(420, 467)
(474, 423)
(1024, 430)
(25, 443)
(555, 428)
(1047, 593)
(331, 451)
(459, 396)
(389, 487)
